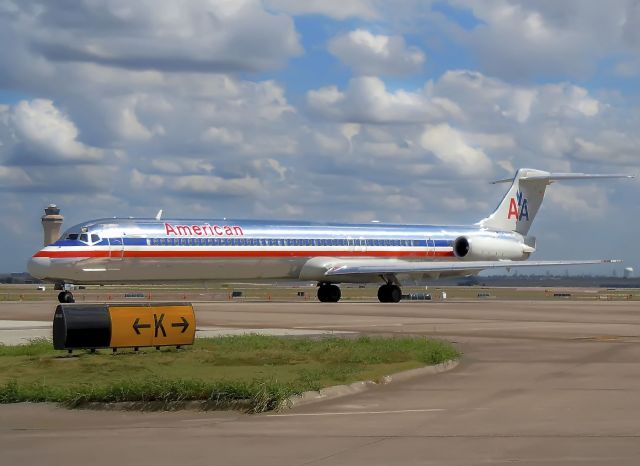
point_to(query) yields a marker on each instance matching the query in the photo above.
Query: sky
(349, 110)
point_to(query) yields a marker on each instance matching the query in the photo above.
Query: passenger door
(116, 248)
(431, 248)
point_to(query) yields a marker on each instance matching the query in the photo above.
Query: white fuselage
(149, 250)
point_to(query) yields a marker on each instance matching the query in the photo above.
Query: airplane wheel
(383, 294)
(329, 293)
(66, 297)
(395, 294)
(389, 294)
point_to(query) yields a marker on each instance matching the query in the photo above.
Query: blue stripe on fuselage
(145, 241)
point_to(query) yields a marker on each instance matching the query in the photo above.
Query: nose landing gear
(66, 297)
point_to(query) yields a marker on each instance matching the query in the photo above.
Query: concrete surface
(20, 332)
(540, 383)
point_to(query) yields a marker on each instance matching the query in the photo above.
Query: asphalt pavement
(553, 383)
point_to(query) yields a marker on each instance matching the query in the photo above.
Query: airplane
(152, 250)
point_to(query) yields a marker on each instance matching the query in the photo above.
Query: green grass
(251, 372)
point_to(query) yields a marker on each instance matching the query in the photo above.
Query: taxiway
(540, 383)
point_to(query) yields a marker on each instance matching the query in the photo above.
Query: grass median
(251, 372)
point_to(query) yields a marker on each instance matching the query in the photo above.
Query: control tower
(51, 223)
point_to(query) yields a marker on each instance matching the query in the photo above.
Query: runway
(539, 383)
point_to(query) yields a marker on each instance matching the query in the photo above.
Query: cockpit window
(84, 237)
(95, 238)
(72, 236)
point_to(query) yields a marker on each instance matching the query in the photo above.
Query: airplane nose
(38, 267)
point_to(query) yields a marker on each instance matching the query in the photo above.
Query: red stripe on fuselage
(204, 254)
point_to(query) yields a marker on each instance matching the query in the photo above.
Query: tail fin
(520, 205)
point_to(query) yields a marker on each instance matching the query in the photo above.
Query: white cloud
(195, 185)
(14, 178)
(481, 94)
(579, 201)
(627, 68)
(366, 100)
(449, 145)
(129, 127)
(519, 39)
(337, 9)
(376, 55)
(183, 165)
(49, 134)
(191, 35)
(222, 136)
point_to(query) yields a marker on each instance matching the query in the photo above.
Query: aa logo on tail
(518, 207)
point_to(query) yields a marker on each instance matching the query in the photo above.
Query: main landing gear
(328, 293)
(66, 297)
(389, 293)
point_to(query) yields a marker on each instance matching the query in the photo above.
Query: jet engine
(489, 248)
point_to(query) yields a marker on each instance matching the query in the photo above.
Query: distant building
(51, 224)
(628, 272)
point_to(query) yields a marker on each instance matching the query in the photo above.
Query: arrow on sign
(184, 324)
(137, 326)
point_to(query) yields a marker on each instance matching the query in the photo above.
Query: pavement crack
(343, 450)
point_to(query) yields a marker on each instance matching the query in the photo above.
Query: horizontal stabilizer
(551, 177)
(379, 267)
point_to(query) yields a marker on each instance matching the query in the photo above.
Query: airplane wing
(389, 267)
